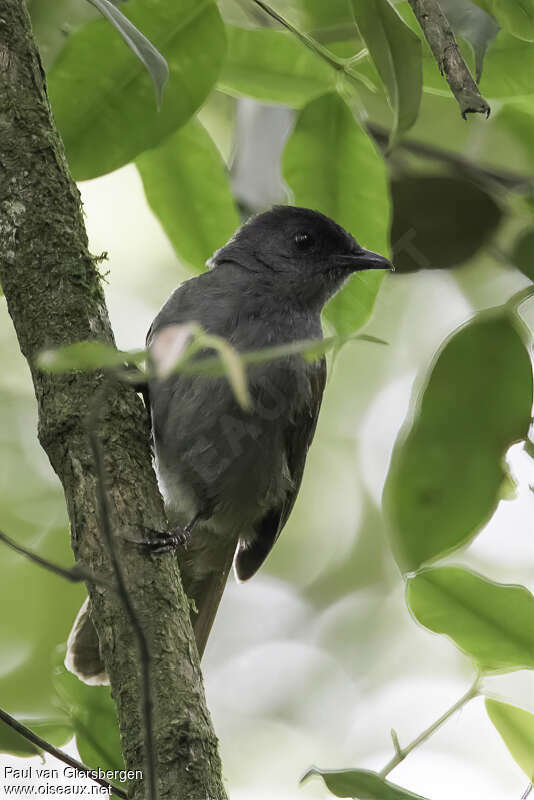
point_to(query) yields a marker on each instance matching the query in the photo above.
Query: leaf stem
(402, 752)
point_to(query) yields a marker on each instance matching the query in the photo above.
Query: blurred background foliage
(317, 658)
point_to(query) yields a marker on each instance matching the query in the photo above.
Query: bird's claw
(168, 541)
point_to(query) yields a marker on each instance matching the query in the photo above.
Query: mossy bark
(54, 297)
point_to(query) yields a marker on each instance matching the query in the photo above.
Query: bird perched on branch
(230, 475)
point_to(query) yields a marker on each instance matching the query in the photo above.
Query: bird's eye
(303, 240)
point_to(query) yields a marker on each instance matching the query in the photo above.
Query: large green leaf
(508, 67)
(102, 96)
(516, 16)
(331, 165)
(361, 784)
(145, 51)
(447, 468)
(274, 67)
(396, 52)
(517, 118)
(93, 717)
(52, 20)
(516, 727)
(439, 221)
(186, 186)
(490, 622)
(55, 729)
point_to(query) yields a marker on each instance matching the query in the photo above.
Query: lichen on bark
(54, 297)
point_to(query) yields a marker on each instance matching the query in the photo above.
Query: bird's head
(298, 251)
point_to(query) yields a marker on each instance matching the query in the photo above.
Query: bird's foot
(168, 541)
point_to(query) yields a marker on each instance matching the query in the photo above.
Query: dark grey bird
(230, 476)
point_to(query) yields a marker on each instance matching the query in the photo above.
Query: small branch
(401, 753)
(42, 744)
(122, 591)
(440, 37)
(75, 574)
(527, 791)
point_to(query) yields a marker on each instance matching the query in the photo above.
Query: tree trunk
(54, 297)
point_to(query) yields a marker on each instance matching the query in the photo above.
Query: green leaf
(396, 52)
(86, 355)
(101, 94)
(53, 21)
(145, 51)
(523, 253)
(56, 731)
(447, 466)
(490, 622)
(516, 727)
(331, 165)
(517, 118)
(515, 16)
(93, 717)
(186, 186)
(274, 67)
(361, 784)
(508, 68)
(234, 367)
(439, 221)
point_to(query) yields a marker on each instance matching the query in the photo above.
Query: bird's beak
(363, 259)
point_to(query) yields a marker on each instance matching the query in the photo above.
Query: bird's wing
(298, 438)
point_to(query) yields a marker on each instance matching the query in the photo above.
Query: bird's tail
(204, 592)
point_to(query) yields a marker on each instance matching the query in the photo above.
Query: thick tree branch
(54, 298)
(142, 643)
(440, 37)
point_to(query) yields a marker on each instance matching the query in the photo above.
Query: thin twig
(440, 37)
(337, 63)
(42, 744)
(75, 574)
(527, 791)
(122, 591)
(402, 752)
(340, 65)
